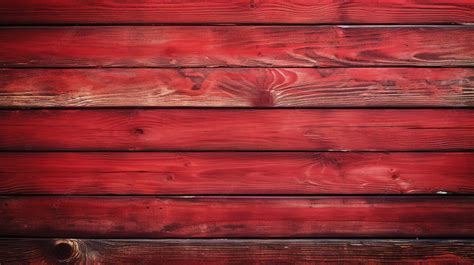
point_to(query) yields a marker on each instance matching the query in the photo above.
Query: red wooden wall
(236, 132)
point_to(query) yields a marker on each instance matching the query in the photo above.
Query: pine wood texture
(292, 173)
(228, 251)
(236, 11)
(240, 217)
(238, 87)
(236, 46)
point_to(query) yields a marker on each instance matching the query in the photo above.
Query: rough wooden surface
(227, 251)
(212, 46)
(237, 129)
(236, 173)
(238, 87)
(284, 54)
(247, 216)
(235, 11)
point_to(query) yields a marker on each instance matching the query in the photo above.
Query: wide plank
(235, 173)
(238, 87)
(237, 129)
(211, 217)
(235, 11)
(246, 46)
(232, 251)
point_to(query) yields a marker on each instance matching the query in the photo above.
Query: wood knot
(264, 98)
(138, 131)
(395, 174)
(253, 4)
(65, 250)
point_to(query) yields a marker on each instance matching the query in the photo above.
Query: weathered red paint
(237, 129)
(235, 173)
(253, 66)
(209, 217)
(237, 87)
(211, 46)
(236, 11)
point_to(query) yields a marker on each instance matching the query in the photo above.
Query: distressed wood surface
(237, 129)
(259, 46)
(235, 11)
(181, 204)
(228, 251)
(210, 217)
(236, 173)
(238, 87)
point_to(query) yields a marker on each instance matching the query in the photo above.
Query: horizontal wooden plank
(237, 129)
(228, 251)
(236, 173)
(235, 11)
(212, 46)
(209, 217)
(238, 87)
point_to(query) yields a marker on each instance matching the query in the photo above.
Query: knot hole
(64, 250)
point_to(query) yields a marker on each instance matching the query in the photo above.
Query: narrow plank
(236, 173)
(238, 87)
(210, 217)
(229, 251)
(215, 46)
(237, 129)
(235, 11)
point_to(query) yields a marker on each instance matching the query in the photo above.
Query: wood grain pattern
(215, 46)
(271, 179)
(237, 129)
(210, 217)
(235, 11)
(236, 173)
(238, 87)
(228, 251)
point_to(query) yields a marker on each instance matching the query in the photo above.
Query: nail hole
(63, 251)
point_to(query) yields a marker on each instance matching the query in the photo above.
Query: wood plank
(236, 173)
(210, 217)
(237, 129)
(228, 251)
(235, 11)
(238, 87)
(213, 46)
